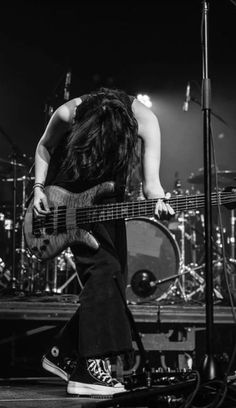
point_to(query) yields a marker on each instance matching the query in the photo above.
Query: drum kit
(20, 271)
(165, 259)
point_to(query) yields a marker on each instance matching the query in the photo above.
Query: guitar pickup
(37, 226)
(49, 222)
(61, 219)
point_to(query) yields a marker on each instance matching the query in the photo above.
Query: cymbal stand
(14, 277)
(22, 246)
(181, 282)
(47, 288)
(54, 277)
(193, 240)
(232, 235)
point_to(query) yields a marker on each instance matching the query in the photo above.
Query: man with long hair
(88, 141)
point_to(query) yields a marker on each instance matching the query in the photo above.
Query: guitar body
(47, 237)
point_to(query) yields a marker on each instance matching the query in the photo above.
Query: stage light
(145, 99)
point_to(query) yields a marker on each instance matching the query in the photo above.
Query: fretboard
(142, 208)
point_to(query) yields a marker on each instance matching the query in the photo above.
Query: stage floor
(51, 393)
(37, 393)
(60, 308)
(175, 331)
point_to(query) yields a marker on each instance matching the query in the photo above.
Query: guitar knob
(34, 249)
(43, 248)
(46, 241)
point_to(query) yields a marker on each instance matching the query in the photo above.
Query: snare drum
(153, 255)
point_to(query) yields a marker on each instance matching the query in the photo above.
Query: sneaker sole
(92, 389)
(52, 368)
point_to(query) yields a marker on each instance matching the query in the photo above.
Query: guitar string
(115, 209)
(91, 212)
(187, 201)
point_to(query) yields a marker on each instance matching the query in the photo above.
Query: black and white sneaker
(58, 364)
(93, 378)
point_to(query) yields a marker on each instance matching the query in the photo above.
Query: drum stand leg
(181, 282)
(54, 280)
(75, 274)
(22, 239)
(47, 288)
(184, 269)
(232, 236)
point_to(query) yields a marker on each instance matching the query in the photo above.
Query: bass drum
(153, 256)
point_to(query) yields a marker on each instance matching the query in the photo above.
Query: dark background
(151, 47)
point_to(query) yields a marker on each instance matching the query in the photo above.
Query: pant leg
(100, 326)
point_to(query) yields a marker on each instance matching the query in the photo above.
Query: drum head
(153, 255)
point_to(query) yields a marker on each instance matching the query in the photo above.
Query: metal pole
(208, 368)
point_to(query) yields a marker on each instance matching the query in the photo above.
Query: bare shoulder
(145, 117)
(66, 111)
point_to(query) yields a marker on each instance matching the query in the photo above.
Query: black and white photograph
(118, 203)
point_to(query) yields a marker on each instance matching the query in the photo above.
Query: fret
(177, 206)
(124, 211)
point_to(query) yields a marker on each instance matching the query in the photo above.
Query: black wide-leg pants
(100, 326)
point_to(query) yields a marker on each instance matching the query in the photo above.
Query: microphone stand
(208, 366)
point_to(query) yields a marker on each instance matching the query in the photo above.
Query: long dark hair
(103, 136)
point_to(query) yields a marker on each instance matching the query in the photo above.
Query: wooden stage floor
(61, 308)
(51, 393)
(37, 393)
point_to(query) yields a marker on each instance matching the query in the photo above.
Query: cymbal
(7, 166)
(11, 162)
(11, 179)
(224, 176)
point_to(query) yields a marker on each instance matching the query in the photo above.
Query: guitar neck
(144, 208)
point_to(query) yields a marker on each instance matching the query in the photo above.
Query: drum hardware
(183, 220)
(152, 256)
(22, 239)
(181, 285)
(12, 168)
(224, 177)
(67, 258)
(5, 275)
(18, 162)
(47, 288)
(54, 275)
(59, 267)
(232, 234)
(156, 267)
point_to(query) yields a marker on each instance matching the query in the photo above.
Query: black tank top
(55, 176)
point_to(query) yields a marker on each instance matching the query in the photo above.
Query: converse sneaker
(56, 363)
(92, 377)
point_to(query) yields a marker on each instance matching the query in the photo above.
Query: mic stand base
(210, 369)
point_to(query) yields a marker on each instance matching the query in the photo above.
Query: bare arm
(58, 125)
(149, 131)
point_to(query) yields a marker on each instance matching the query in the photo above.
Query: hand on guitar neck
(163, 207)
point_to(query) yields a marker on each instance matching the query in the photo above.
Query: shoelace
(97, 367)
(69, 364)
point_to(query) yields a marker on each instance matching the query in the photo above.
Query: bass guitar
(71, 214)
